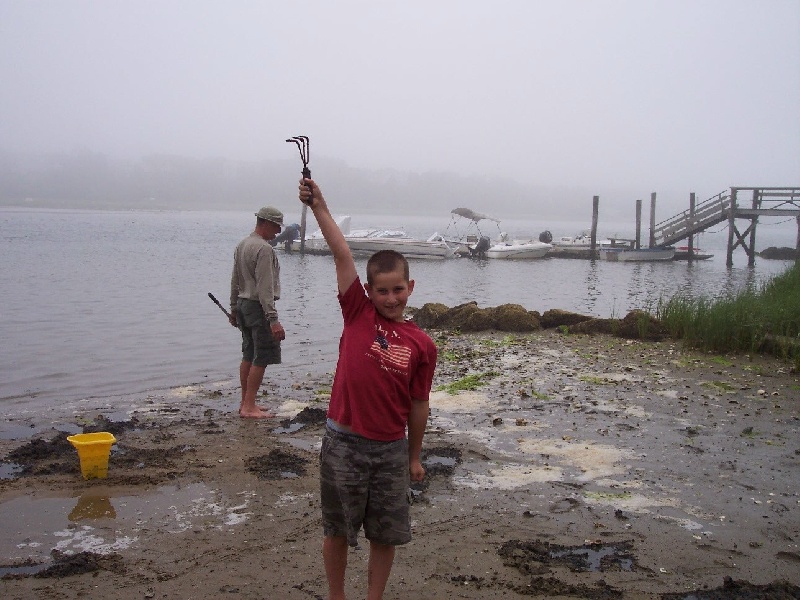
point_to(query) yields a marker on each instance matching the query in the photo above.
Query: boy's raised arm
(342, 257)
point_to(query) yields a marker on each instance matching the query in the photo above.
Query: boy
(382, 383)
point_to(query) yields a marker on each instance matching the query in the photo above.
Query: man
(255, 286)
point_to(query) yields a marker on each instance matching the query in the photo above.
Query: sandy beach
(579, 467)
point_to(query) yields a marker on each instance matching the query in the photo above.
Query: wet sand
(579, 467)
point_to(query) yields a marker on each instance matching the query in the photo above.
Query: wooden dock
(730, 206)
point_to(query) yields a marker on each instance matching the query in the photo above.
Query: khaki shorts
(365, 483)
(259, 346)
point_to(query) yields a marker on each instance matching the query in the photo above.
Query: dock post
(751, 252)
(691, 220)
(638, 224)
(595, 212)
(731, 226)
(797, 243)
(652, 220)
(303, 228)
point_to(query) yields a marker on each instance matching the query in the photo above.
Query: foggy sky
(672, 96)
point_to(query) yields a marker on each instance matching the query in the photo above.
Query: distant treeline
(93, 180)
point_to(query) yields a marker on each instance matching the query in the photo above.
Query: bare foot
(255, 413)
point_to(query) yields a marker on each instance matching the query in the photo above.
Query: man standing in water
(255, 286)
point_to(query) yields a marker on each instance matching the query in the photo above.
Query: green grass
(755, 320)
(470, 383)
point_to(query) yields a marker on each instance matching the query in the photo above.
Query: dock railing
(706, 214)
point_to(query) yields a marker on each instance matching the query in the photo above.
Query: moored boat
(637, 254)
(517, 249)
(682, 253)
(464, 234)
(578, 246)
(369, 241)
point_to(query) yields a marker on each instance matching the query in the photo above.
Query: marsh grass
(755, 320)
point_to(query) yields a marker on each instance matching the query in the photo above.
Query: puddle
(9, 470)
(594, 559)
(22, 570)
(289, 429)
(444, 461)
(530, 556)
(99, 522)
(10, 430)
(277, 465)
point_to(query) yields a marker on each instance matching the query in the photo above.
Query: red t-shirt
(382, 366)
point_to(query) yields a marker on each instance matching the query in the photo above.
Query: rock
(456, 317)
(430, 313)
(782, 253)
(591, 326)
(513, 317)
(555, 318)
(638, 324)
(477, 320)
(468, 317)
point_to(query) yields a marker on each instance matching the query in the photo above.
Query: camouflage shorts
(365, 482)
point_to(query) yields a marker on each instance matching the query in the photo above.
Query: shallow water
(104, 304)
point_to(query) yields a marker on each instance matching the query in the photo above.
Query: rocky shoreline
(559, 466)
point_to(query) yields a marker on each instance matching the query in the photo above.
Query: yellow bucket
(93, 450)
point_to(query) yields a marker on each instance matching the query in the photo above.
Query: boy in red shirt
(381, 387)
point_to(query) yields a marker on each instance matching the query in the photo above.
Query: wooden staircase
(711, 212)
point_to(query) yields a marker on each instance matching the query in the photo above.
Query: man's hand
(277, 331)
(232, 319)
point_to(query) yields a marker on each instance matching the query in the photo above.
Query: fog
(514, 105)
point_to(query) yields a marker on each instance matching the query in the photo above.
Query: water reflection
(92, 505)
(592, 287)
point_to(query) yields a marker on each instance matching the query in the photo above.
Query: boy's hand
(309, 192)
(416, 470)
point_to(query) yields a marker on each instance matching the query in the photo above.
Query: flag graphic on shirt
(390, 356)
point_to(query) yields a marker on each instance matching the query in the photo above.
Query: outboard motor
(546, 237)
(481, 247)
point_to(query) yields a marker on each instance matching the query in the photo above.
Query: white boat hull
(410, 248)
(369, 241)
(518, 250)
(682, 253)
(634, 255)
(580, 246)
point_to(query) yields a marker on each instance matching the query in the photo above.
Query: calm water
(104, 304)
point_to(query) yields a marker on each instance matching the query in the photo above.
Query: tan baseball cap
(270, 213)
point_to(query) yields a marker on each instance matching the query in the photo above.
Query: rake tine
(307, 148)
(304, 146)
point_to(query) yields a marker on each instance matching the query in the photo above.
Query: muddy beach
(559, 466)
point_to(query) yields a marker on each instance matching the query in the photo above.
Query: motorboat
(577, 246)
(517, 249)
(682, 253)
(315, 242)
(616, 254)
(369, 241)
(465, 235)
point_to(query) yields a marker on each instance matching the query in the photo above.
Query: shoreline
(673, 469)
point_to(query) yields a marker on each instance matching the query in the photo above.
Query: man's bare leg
(334, 555)
(250, 377)
(381, 557)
